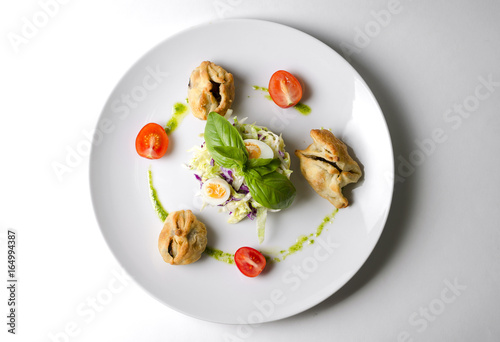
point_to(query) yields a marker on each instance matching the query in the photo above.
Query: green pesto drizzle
(259, 88)
(305, 239)
(220, 255)
(327, 219)
(297, 246)
(179, 111)
(303, 108)
(160, 211)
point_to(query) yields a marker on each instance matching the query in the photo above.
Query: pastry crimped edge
(200, 98)
(330, 154)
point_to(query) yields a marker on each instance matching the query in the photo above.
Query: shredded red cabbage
(227, 175)
(243, 189)
(199, 178)
(253, 214)
(230, 199)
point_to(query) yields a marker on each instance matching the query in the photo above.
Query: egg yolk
(253, 150)
(215, 190)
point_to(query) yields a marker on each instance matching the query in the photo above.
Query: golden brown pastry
(328, 167)
(182, 239)
(210, 89)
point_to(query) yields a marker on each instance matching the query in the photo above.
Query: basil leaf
(273, 190)
(252, 173)
(263, 170)
(232, 156)
(256, 162)
(220, 133)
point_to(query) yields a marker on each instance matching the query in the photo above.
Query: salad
(243, 169)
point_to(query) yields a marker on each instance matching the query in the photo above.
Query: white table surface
(434, 67)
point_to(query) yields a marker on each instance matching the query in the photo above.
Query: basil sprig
(224, 142)
(267, 186)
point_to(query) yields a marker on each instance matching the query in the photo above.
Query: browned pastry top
(210, 89)
(182, 239)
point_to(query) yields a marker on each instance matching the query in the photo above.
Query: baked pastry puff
(328, 167)
(182, 239)
(210, 89)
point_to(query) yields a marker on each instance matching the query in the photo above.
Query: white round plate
(208, 289)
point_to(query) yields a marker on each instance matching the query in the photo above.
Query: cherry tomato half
(249, 261)
(152, 141)
(285, 89)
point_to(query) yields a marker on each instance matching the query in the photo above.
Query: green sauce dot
(303, 108)
(179, 112)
